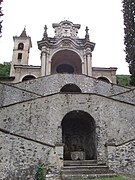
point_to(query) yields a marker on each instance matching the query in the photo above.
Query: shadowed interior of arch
(28, 77)
(65, 68)
(20, 46)
(78, 134)
(104, 79)
(70, 88)
(66, 61)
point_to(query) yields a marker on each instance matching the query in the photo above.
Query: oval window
(65, 68)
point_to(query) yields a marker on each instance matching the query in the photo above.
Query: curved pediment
(66, 29)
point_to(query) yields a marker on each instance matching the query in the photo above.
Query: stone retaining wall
(122, 158)
(10, 95)
(39, 120)
(53, 83)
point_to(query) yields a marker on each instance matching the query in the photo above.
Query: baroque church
(64, 53)
(67, 116)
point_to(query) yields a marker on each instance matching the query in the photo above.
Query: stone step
(80, 163)
(86, 176)
(86, 169)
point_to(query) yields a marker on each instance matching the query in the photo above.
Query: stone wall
(121, 158)
(53, 83)
(10, 95)
(128, 96)
(40, 120)
(1, 94)
(20, 158)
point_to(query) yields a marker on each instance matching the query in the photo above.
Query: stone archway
(78, 134)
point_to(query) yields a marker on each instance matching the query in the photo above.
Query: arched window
(20, 46)
(70, 88)
(28, 77)
(103, 79)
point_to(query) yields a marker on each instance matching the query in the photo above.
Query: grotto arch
(70, 88)
(78, 134)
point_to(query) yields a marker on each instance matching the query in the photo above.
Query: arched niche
(70, 88)
(66, 61)
(28, 77)
(102, 78)
(78, 134)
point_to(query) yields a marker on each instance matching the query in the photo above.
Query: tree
(129, 38)
(5, 69)
(123, 80)
(1, 14)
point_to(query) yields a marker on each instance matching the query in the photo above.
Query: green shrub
(40, 173)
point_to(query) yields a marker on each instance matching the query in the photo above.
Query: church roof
(23, 34)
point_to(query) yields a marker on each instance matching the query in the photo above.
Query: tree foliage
(129, 39)
(5, 69)
(1, 14)
(123, 80)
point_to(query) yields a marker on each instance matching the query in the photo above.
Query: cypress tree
(129, 38)
(1, 14)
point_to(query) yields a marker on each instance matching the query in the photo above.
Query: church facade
(65, 116)
(63, 53)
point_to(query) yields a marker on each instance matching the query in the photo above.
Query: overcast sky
(103, 17)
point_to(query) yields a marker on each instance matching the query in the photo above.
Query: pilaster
(89, 62)
(44, 63)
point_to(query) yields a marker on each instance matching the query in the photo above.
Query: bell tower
(22, 45)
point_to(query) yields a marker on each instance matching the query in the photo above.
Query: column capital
(88, 51)
(43, 53)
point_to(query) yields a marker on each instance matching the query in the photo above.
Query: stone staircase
(84, 169)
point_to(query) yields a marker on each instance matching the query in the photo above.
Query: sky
(104, 19)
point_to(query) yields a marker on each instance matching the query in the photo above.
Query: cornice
(66, 42)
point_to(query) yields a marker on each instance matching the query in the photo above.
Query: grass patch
(114, 178)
